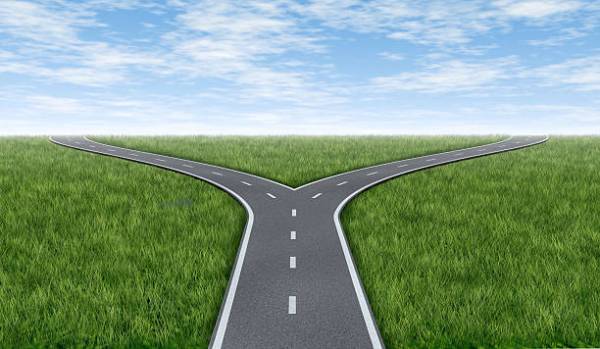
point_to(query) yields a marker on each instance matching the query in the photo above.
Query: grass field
(98, 252)
(498, 251)
(102, 252)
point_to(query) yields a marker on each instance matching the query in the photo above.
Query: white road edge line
(371, 173)
(342, 183)
(292, 262)
(292, 305)
(293, 235)
(272, 196)
(317, 195)
(246, 183)
(358, 288)
(293, 212)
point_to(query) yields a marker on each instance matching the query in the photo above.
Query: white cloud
(391, 56)
(581, 73)
(448, 76)
(52, 104)
(45, 42)
(537, 8)
(564, 36)
(242, 43)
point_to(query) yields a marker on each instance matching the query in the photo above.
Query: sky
(299, 67)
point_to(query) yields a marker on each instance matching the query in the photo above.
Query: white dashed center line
(111, 150)
(293, 212)
(459, 154)
(161, 160)
(400, 166)
(246, 183)
(372, 173)
(92, 146)
(480, 150)
(293, 235)
(292, 305)
(342, 183)
(188, 166)
(430, 159)
(292, 262)
(77, 142)
(133, 154)
(271, 196)
(217, 173)
(317, 195)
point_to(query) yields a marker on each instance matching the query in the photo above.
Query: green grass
(100, 252)
(497, 251)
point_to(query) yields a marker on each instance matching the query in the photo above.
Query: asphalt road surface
(294, 283)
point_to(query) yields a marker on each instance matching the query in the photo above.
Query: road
(294, 283)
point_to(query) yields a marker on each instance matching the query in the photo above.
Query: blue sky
(299, 67)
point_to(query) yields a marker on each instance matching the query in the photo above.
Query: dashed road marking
(133, 154)
(317, 195)
(188, 166)
(161, 160)
(293, 212)
(111, 150)
(480, 150)
(371, 173)
(292, 262)
(430, 159)
(92, 146)
(217, 173)
(342, 183)
(246, 183)
(292, 305)
(459, 154)
(271, 196)
(400, 166)
(293, 235)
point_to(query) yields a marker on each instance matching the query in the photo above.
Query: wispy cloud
(391, 56)
(448, 76)
(314, 64)
(46, 43)
(581, 74)
(537, 8)
(242, 43)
